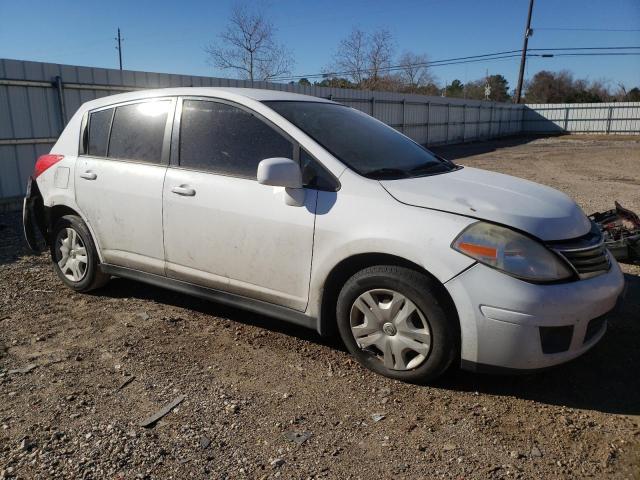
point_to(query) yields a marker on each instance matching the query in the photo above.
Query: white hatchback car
(313, 212)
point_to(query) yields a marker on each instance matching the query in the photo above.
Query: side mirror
(283, 172)
(280, 172)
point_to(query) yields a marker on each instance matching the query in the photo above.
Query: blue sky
(169, 36)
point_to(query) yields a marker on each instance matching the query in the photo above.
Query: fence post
(491, 120)
(373, 107)
(500, 121)
(446, 133)
(609, 115)
(428, 120)
(464, 123)
(566, 118)
(404, 119)
(63, 109)
(522, 129)
(478, 122)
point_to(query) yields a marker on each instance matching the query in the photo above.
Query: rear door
(223, 229)
(119, 181)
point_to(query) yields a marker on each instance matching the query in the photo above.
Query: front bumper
(507, 323)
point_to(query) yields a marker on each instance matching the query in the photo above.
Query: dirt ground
(264, 399)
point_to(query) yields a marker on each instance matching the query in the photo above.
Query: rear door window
(99, 125)
(221, 138)
(138, 130)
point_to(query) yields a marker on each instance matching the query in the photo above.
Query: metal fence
(607, 118)
(37, 99)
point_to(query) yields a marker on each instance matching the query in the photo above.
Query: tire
(70, 238)
(407, 334)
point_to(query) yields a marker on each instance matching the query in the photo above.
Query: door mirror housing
(283, 172)
(280, 172)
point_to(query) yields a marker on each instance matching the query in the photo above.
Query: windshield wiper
(427, 168)
(387, 172)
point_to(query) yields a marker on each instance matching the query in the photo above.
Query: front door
(119, 181)
(224, 230)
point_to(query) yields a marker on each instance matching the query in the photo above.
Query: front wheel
(74, 255)
(391, 320)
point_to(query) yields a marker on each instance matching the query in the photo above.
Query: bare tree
(413, 70)
(380, 53)
(351, 56)
(248, 47)
(363, 57)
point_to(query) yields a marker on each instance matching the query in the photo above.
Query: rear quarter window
(99, 125)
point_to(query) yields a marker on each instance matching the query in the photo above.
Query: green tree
(560, 87)
(549, 87)
(455, 89)
(634, 95)
(499, 88)
(304, 82)
(336, 82)
(583, 96)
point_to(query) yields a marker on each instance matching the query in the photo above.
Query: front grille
(587, 255)
(588, 261)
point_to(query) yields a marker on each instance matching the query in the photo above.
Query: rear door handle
(88, 175)
(184, 191)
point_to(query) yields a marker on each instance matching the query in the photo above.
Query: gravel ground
(264, 399)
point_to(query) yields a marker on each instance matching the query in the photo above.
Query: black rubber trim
(250, 304)
(555, 339)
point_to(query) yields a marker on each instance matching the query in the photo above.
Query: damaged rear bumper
(33, 214)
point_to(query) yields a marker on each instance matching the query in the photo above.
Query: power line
(587, 48)
(580, 29)
(607, 54)
(462, 60)
(395, 67)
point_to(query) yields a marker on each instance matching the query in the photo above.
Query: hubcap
(71, 255)
(390, 327)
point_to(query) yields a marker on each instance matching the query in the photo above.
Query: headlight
(511, 252)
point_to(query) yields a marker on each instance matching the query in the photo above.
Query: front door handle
(88, 175)
(184, 191)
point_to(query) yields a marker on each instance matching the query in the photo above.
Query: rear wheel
(74, 255)
(391, 320)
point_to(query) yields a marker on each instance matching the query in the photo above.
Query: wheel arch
(347, 267)
(55, 212)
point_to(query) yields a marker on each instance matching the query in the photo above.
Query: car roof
(229, 93)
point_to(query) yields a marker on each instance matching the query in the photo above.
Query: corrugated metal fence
(607, 118)
(36, 100)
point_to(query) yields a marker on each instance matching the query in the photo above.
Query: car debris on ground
(621, 230)
(151, 420)
(25, 369)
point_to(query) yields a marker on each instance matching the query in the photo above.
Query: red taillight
(44, 162)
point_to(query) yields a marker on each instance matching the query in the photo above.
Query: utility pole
(527, 33)
(119, 47)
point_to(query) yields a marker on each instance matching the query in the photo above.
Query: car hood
(536, 209)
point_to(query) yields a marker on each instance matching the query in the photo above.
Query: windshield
(364, 144)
